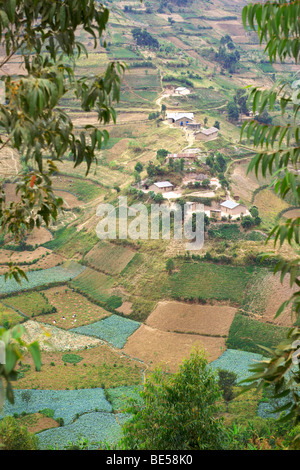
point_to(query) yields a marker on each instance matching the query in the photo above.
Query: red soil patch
(37, 422)
(21, 256)
(39, 236)
(158, 347)
(126, 308)
(192, 318)
(292, 214)
(70, 201)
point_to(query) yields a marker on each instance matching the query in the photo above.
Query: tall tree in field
(278, 150)
(177, 412)
(41, 35)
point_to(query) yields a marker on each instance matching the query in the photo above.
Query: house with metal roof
(180, 119)
(233, 208)
(161, 186)
(207, 134)
(181, 90)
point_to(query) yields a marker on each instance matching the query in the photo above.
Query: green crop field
(31, 303)
(210, 281)
(122, 53)
(83, 189)
(110, 258)
(68, 242)
(96, 286)
(248, 335)
(8, 317)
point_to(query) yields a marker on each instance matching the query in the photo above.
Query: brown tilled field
(292, 214)
(273, 293)
(39, 236)
(70, 201)
(192, 318)
(20, 256)
(158, 347)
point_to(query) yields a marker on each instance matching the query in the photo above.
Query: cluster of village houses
(224, 209)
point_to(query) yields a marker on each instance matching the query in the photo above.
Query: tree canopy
(178, 411)
(43, 37)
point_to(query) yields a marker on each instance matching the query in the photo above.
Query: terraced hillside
(107, 312)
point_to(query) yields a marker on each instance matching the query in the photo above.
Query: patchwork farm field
(31, 303)
(94, 285)
(264, 298)
(269, 206)
(98, 366)
(210, 281)
(249, 335)
(39, 278)
(72, 308)
(8, 316)
(114, 329)
(83, 189)
(111, 259)
(161, 348)
(214, 320)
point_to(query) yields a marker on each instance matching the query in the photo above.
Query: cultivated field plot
(158, 347)
(237, 361)
(65, 403)
(110, 258)
(39, 278)
(292, 214)
(83, 189)
(93, 284)
(37, 422)
(39, 236)
(94, 367)
(72, 309)
(10, 192)
(248, 334)
(192, 318)
(269, 206)
(243, 184)
(94, 426)
(211, 281)
(7, 256)
(8, 317)
(70, 200)
(55, 339)
(114, 329)
(119, 396)
(266, 296)
(30, 303)
(140, 78)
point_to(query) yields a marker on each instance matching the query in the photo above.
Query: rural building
(193, 126)
(216, 213)
(180, 119)
(161, 186)
(233, 208)
(207, 134)
(192, 207)
(181, 90)
(186, 156)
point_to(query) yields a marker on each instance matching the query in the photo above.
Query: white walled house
(180, 119)
(161, 186)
